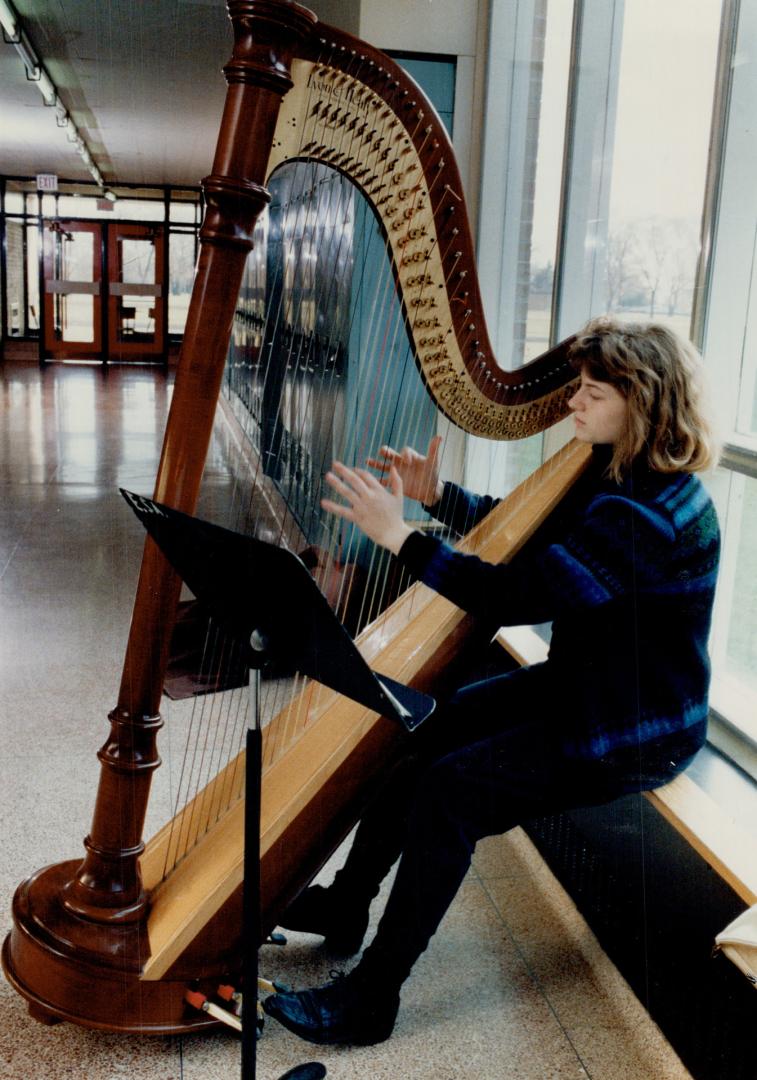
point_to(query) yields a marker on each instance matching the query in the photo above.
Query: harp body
(107, 942)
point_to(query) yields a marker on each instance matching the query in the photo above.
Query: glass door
(136, 309)
(72, 290)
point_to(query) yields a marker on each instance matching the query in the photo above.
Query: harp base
(98, 985)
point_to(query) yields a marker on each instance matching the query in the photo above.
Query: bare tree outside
(622, 275)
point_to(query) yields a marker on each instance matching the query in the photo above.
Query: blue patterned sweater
(626, 575)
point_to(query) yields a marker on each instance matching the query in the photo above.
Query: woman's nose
(574, 402)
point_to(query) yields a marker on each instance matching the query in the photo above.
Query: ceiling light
(46, 88)
(28, 56)
(109, 195)
(8, 19)
(35, 72)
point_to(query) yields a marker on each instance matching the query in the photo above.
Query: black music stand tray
(266, 598)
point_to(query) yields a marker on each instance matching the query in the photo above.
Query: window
(524, 142)
(646, 173)
(659, 160)
(728, 318)
(181, 263)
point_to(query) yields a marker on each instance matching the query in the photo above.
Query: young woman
(625, 573)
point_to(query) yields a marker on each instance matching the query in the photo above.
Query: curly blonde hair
(660, 376)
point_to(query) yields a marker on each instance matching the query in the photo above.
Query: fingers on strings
(406, 456)
(350, 484)
(434, 447)
(391, 457)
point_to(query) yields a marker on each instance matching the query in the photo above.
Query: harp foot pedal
(225, 1016)
(232, 996)
(234, 999)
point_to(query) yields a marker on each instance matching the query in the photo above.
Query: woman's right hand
(419, 473)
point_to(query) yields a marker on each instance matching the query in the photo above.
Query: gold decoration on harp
(332, 117)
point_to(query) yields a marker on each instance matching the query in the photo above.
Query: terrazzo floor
(513, 987)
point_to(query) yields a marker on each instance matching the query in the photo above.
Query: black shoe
(314, 912)
(347, 1010)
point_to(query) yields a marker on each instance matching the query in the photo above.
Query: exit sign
(47, 182)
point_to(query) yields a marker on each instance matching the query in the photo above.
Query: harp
(112, 942)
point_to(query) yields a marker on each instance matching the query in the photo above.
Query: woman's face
(599, 410)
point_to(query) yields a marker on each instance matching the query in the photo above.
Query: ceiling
(141, 80)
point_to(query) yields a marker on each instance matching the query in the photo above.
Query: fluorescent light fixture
(28, 56)
(12, 29)
(46, 88)
(8, 19)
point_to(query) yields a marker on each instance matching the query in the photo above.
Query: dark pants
(488, 761)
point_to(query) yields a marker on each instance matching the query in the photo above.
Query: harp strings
(199, 759)
(383, 330)
(336, 539)
(194, 778)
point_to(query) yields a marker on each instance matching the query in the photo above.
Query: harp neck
(351, 108)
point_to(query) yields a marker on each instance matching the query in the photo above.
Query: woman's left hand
(375, 509)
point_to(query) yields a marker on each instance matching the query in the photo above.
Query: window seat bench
(708, 825)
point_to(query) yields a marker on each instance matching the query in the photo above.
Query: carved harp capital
(265, 37)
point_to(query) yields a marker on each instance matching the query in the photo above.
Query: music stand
(266, 598)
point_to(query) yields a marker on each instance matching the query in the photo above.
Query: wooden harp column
(101, 942)
(75, 915)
